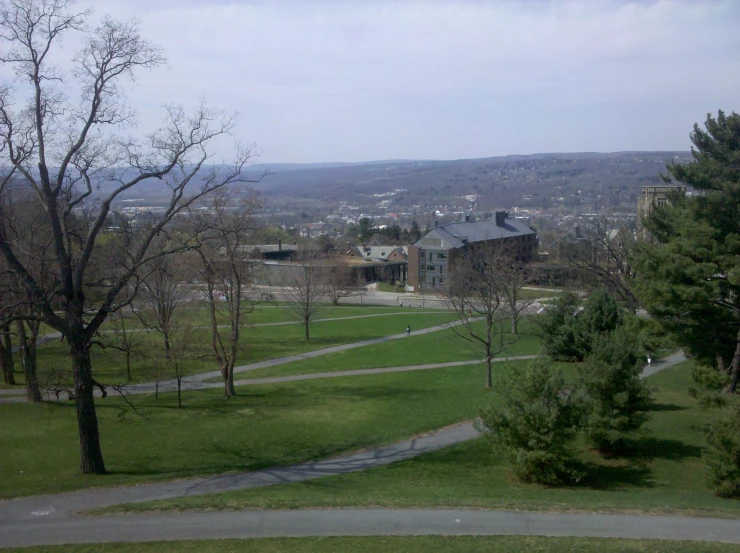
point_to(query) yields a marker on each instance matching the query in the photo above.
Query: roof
(269, 247)
(377, 252)
(456, 235)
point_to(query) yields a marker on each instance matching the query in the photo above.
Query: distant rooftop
(458, 234)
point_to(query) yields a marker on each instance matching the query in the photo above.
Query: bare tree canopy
(340, 282)
(477, 292)
(71, 153)
(161, 293)
(306, 286)
(226, 269)
(602, 255)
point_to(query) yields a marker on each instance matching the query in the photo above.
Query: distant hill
(586, 180)
(582, 178)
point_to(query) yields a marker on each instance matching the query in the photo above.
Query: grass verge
(400, 544)
(440, 347)
(664, 476)
(258, 343)
(264, 426)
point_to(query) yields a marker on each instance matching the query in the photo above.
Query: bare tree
(160, 294)
(19, 220)
(514, 276)
(127, 340)
(6, 356)
(340, 282)
(227, 272)
(476, 292)
(183, 352)
(305, 286)
(68, 153)
(27, 343)
(603, 258)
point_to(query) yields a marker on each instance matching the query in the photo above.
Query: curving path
(51, 519)
(197, 381)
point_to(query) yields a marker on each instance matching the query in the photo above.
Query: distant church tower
(651, 197)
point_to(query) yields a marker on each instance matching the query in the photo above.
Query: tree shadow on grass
(667, 407)
(655, 448)
(611, 477)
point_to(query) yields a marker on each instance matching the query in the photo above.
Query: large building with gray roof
(431, 257)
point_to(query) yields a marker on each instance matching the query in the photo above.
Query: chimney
(467, 217)
(578, 231)
(501, 217)
(280, 244)
(364, 247)
(436, 223)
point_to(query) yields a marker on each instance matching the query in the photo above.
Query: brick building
(431, 257)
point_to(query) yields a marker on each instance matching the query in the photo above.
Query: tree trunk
(735, 368)
(167, 349)
(27, 351)
(308, 337)
(6, 352)
(91, 456)
(128, 363)
(33, 393)
(489, 380)
(227, 372)
(514, 324)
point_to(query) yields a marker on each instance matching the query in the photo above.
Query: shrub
(600, 314)
(723, 456)
(534, 423)
(563, 335)
(617, 397)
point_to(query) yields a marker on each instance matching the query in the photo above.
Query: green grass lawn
(529, 294)
(385, 287)
(258, 343)
(666, 476)
(398, 544)
(264, 426)
(438, 347)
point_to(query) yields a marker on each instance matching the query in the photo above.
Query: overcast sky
(366, 80)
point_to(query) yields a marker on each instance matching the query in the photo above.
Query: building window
(661, 202)
(442, 256)
(431, 268)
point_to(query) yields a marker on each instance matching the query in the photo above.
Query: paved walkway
(50, 519)
(365, 522)
(197, 381)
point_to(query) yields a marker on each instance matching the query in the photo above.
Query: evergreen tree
(534, 422)
(723, 456)
(618, 398)
(688, 272)
(601, 313)
(563, 335)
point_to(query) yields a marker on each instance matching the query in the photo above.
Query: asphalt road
(365, 522)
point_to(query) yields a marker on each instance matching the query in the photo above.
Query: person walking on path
(649, 360)
(408, 330)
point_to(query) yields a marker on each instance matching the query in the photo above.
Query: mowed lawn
(666, 474)
(264, 426)
(438, 347)
(399, 544)
(258, 343)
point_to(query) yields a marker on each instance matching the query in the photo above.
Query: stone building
(652, 197)
(430, 258)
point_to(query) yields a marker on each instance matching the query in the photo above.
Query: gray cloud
(337, 81)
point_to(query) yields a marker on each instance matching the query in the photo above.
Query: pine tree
(688, 273)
